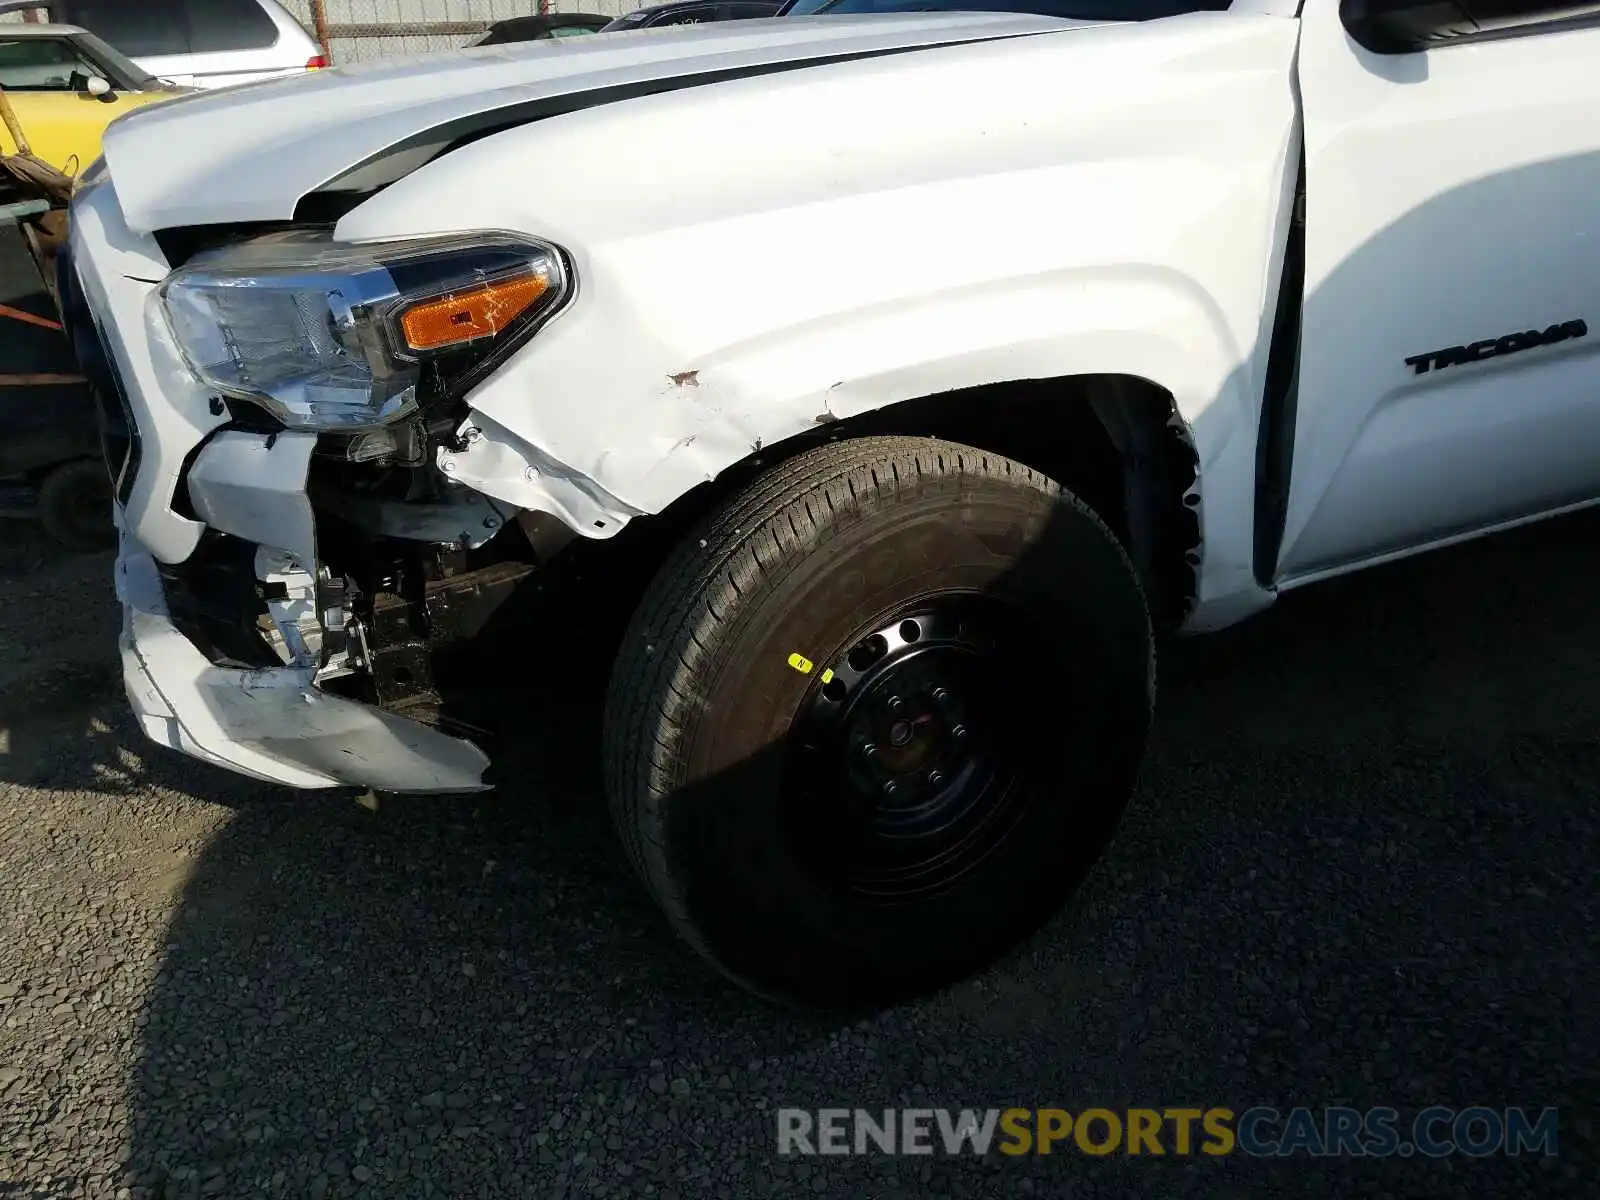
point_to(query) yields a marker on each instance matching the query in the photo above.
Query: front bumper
(158, 428)
(273, 724)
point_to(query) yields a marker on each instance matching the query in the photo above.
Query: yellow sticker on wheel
(827, 676)
(801, 663)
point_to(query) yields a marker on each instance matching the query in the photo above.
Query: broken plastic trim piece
(252, 486)
(273, 724)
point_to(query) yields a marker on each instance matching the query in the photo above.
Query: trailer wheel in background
(75, 505)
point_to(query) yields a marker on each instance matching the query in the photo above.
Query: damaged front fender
(495, 461)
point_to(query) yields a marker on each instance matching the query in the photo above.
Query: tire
(750, 745)
(75, 505)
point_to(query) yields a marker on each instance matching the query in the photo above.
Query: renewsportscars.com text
(1437, 1132)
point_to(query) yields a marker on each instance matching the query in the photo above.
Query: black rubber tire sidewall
(713, 840)
(63, 491)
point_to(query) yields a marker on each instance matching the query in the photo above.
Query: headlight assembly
(352, 337)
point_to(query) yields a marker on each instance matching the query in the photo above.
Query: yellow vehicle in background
(60, 87)
(64, 86)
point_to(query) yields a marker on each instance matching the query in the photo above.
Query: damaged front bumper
(225, 660)
(274, 724)
(288, 641)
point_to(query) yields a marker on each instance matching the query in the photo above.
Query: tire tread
(702, 584)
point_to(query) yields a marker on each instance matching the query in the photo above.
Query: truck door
(1449, 379)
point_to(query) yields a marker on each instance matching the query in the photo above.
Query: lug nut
(869, 751)
(890, 788)
(959, 733)
(896, 706)
(935, 778)
(943, 698)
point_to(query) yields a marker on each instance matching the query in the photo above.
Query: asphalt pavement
(1361, 871)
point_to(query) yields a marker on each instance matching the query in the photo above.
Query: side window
(687, 16)
(150, 27)
(42, 65)
(216, 26)
(569, 30)
(747, 12)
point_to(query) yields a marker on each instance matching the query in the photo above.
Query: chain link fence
(364, 30)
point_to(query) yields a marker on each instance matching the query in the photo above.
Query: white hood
(252, 153)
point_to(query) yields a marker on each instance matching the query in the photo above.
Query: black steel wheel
(876, 719)
(910, 758)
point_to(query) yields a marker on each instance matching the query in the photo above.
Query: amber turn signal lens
(467, 316)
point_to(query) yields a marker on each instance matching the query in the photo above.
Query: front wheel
(877, 717)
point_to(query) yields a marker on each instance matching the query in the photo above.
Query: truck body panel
(253, 152)
(1005, 226)
(775, 226)
(1449, 204)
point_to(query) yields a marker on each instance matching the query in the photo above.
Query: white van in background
(198, 43)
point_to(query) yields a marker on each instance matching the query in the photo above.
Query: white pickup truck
(924, 363)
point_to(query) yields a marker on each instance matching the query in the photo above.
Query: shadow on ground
(1361, 870)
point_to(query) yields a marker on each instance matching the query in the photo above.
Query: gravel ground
(1361, 870)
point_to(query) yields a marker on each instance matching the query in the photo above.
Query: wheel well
(1115, 441)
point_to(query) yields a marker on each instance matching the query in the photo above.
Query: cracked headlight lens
(352, 337)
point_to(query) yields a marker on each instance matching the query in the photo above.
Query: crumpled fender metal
(498, 463)
(869, 252)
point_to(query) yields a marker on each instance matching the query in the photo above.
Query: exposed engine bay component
(266, 721)
(290, 592)
(461, 517)
(400, 633)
